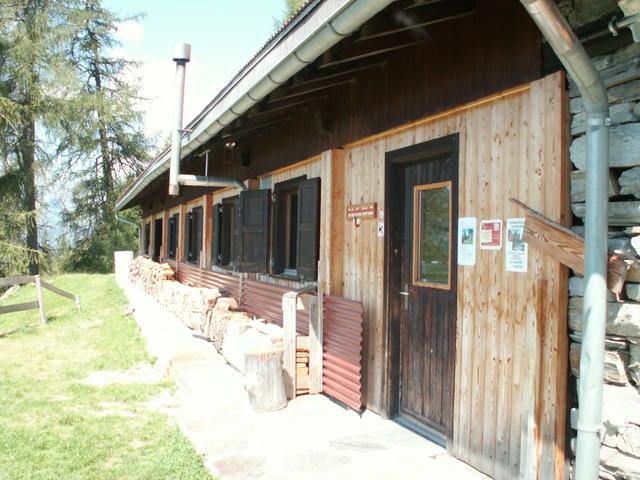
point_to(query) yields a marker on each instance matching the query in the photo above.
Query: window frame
(281, 224)
(191, 235)
(226, 238)
(417, 223)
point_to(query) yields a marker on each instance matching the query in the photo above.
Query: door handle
(405, 295)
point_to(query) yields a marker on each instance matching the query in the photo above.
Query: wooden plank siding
(511, 339)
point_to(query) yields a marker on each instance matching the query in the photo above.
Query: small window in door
(432, 235)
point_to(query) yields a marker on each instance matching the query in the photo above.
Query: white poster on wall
(467, 227)
(517, 249)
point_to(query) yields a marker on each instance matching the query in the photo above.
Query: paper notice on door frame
(517, 250)
(467, 227)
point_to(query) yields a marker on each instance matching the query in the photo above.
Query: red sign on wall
(362, 211)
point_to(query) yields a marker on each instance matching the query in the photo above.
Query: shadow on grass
(23, 328)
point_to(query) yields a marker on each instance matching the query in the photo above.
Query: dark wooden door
(424, 289)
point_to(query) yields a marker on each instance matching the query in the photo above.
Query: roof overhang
(314, 30)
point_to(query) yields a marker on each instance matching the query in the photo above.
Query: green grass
(52, 426)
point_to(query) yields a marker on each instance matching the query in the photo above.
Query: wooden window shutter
(197, 233)
(308, 231)
(187, 237)
(226, 235)
(215, 235)
(254, 230)
(172, 227)
(235, 235)
(278, 231)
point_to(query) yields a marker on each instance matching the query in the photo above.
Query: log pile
(149, 275)
(189, 304)
(158, 280)
(217, 318)
(302, 366)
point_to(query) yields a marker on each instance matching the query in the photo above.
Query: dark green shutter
(171, 228)
(278, 238)
(235, 235)
(215, 235)
(254, 230)
(187, 237)
(308, 231)
(197, 234)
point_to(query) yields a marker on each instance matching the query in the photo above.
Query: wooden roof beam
(368, 54)
(419, 16)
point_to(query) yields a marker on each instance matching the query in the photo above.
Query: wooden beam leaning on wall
(566, 247)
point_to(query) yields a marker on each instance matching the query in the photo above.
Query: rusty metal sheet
(188, 274)
(342, 350)
(264, 300)
(225, 282)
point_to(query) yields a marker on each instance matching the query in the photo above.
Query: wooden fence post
(315, 342)
(43, 318)
(289, 310)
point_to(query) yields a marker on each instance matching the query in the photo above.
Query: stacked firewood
(149, 274)
(217, 318)
(302, 365)
(189, 304)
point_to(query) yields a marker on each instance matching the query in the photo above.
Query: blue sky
(223, 35)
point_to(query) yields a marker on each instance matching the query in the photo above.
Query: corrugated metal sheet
(264, 300)
(226, 283)
(188, 274)
(196, 277)
(342, 350)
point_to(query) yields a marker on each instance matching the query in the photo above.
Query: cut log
(263, 380)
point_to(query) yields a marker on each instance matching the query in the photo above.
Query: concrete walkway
(312, 438)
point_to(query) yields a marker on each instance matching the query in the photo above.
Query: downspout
(565, 44)
(129, 222)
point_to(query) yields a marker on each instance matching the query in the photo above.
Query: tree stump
(263, 380)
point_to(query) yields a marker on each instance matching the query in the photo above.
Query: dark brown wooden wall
(495, 48)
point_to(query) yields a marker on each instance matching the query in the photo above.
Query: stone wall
(620, 454)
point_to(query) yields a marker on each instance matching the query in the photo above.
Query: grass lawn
(54, 426)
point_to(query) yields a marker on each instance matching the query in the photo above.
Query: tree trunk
(28, 154)
(263, 380)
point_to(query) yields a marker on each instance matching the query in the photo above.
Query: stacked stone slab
(620, 70)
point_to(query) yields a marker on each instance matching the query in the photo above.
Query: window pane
(433, 234)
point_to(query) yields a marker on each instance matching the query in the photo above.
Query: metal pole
(181, 57)
(595, 298)
(577, 63)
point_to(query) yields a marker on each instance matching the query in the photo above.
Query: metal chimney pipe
(182, 55)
